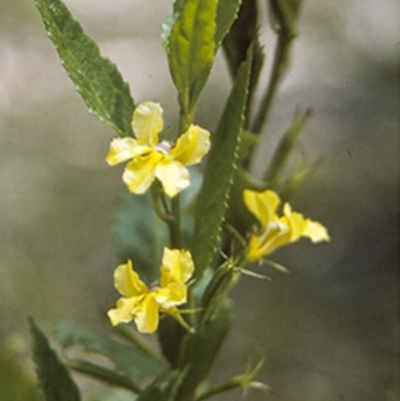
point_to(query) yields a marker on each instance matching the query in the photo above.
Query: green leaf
(285, 147)
(226, 14)
(54, 378)
(96, 79)
(16, 383)
(222, 162)
(133, 361)
(200, 349)
(140, 235)
(244, 34)
(190, 45)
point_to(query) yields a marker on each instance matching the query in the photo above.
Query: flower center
(164, 147)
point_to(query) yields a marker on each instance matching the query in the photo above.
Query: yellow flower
(152, 159)
(143, 304)
(277, 231)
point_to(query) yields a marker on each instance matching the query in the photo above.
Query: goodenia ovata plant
(178, 285)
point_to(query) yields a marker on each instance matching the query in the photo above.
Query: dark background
(329, 329)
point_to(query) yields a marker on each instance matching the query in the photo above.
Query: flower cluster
(277, 231)
(150, 158)
(143, 304)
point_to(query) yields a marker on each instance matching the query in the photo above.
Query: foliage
(206, 233)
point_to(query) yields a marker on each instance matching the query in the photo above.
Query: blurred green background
(329, 329)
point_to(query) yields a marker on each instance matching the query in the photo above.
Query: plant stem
(137, 340)
(282, 51)
(104, 374)
(162, 214)
(175, 226)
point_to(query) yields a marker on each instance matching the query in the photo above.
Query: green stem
(162, 214)
(175, 226)
(137, 340)
(185, 119)
(282, 51)
(104, 374)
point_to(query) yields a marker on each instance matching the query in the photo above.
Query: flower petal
(140, 172)
(123, 313)
(172, 295)
(315, 231)
(127, 281)
(191, 146)
(262, 205)
(177, 266)
(146, 316)
(147, 122)
(122, 149)
(173, 176)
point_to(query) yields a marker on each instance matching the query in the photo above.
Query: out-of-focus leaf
(200, 349)
(96, 79)
(189, 39)
(133, 361)
(15, 383)
(163, 389)
(285, 147)
(222, 162)
(140, 235)
(170, 334)
(54, 378)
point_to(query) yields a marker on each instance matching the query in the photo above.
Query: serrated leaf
(133, 361)
(54, 378)
(226, 14)
(200, 349)
(96, 78)
(190, 47)
(222, 162)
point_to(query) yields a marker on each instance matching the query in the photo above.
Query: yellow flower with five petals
(143, 304)
(151, 158)
(277, 231)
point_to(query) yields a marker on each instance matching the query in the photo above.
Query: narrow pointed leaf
(243, 34)
(96, 78)
(222, 162)
(190, 46)
(285, 148)
(54, 378)
(226, 14)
